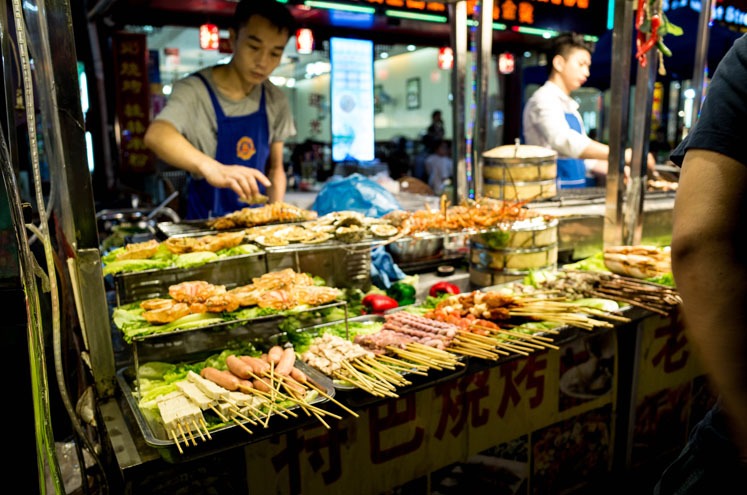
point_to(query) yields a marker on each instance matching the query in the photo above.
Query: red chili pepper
(443, 287)
(379, 303)
(650, 42)
(640, 13)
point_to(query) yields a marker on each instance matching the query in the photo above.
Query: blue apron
(242, 140)
(571, 171)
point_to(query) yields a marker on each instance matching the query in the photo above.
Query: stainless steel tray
(231, 271)
(344, 387)
(155, 434)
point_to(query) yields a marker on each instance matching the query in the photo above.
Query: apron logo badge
(245, 148)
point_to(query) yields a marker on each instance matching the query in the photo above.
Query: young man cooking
(226, 124)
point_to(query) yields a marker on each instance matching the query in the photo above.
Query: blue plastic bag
(355, 193)
(384, 271)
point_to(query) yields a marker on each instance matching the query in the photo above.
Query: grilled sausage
(259, 366)
(298, 375)
(225, 379)
(274, 354)
(245, 386)
(239, 367)
(262, 384)
(286, 361)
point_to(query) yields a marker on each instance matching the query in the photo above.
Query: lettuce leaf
(123, 266)
(195, 259)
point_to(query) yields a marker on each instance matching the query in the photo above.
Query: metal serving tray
(231, 271)
(185, 344)
(359, 397)
(155, 434)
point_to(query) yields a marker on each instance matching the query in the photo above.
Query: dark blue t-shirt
(723, 117)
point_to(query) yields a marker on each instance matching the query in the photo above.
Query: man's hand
(242, 180)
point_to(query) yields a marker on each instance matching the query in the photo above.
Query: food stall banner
(402, 439)
(132, 99)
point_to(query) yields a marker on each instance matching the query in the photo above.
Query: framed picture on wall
(412, 93)
(378, 107)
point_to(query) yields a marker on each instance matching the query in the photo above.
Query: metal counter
(580, 214)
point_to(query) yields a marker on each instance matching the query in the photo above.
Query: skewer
(324, 394)
(199, 431)
(204, 425)
(398, 362)
(184, 436)
(523, 344)
(218, 413)
(172, 432)
(242, 425)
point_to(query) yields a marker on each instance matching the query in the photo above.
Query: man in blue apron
(551, 118)
(226, 124)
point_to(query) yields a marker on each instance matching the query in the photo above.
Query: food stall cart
(515, 409)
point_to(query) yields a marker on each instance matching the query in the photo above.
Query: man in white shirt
(551, 118)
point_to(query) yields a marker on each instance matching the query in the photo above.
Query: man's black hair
(562, 45)
(277, 13)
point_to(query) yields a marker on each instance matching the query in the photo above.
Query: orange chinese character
(137, 160)
(129, 48)
(509, 10)
(132, 86)
(530, 372)
(416, 4)
(582, 4)
(569, 3)
(133, 110)
(394, 414)
(130, 69)
(526, 13)
(460, 402)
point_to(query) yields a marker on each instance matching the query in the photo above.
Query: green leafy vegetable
(194, 259)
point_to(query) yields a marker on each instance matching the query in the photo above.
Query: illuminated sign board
(581, 16)
(352, 100)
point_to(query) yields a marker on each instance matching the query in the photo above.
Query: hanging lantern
(209, 37)
(445, 58)
(506, 63)
(304, 41)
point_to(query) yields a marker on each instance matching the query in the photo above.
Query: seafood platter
(147, 269)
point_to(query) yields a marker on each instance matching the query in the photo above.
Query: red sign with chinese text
(129, 51)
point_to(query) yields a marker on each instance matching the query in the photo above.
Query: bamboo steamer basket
(520, 172)
(510, 252)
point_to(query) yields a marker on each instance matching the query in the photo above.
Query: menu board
(352, 100)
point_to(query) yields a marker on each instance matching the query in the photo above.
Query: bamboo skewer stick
(330, 398)
(199, 431)
(204, 425)
(172, 432)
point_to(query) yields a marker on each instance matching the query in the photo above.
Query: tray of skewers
(364, 354)
(240, 391)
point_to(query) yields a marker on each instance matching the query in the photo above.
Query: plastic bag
(355, 193)
(384, 271)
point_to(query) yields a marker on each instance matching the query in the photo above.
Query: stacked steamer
(510, 251)
(520, 173)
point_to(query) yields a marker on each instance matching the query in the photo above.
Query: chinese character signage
(562, 397)
(132, 101)
(582, 16)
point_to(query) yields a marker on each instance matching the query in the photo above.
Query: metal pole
(644, 97)
(458, 22)
(701, 56)
(622, 38)
(484, 50)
